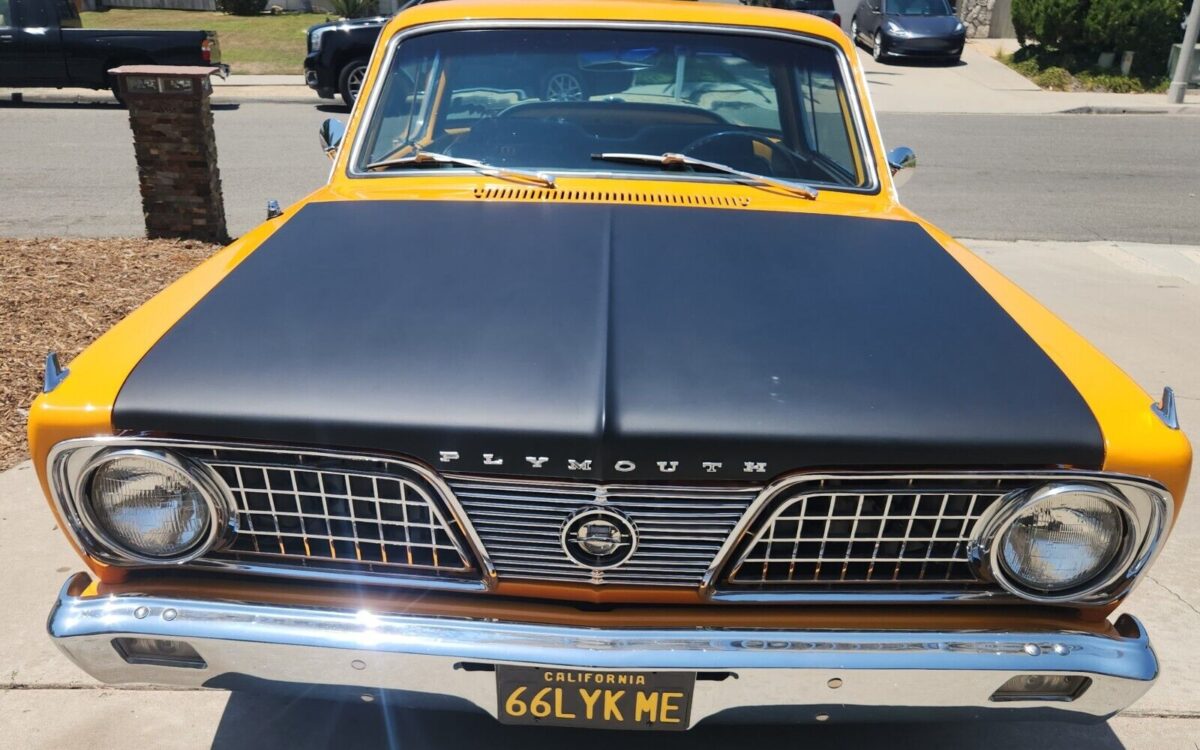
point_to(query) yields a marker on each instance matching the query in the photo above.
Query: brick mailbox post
(176, 150)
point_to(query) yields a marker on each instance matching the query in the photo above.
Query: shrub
(241, 7)
(1057, 79)
(1052, 23)
(355, 8)
(1146, 27)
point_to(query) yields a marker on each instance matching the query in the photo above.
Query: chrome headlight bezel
(71, 477)
(1144, 508)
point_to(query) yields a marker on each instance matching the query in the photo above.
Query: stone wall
(176, 150)
(976, 15)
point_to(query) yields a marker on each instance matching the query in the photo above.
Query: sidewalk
(984, 85)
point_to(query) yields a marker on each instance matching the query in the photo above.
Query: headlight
(1063, 540)
(150, 506)
(314, 40)
(897, 29)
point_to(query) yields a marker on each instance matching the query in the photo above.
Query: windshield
(919, 8)
(551, 99)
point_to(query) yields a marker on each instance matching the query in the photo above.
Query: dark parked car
(339, 52)
(821, 8)
(908, 28)
(42, 45)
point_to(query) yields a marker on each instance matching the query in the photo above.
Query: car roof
(679, 11)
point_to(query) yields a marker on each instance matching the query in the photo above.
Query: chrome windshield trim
(854, 96)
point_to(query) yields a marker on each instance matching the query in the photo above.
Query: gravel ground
(59, 295)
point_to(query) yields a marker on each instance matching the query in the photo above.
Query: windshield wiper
(432, 158)
(669, 161)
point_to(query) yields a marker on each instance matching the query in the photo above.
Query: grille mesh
(337, 514)
(334, 515)
(842, 532)
(679, 530)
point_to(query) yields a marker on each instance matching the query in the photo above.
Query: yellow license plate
(593, 698)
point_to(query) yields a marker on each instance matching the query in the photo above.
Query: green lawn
(249, 44)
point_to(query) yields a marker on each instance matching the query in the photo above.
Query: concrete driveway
(1139, 303)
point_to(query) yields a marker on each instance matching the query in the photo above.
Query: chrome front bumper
(749, 675)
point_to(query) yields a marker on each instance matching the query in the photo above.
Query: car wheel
(854, 37)
(351, 80)
(877, 51)
(563, 86)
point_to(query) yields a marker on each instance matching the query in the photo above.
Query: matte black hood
(620, 335)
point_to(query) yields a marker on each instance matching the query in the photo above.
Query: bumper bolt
(822, 717)
(1033, 649)
(835, 683)
(359, 664)
(141, 612)
(169, 614)
(1061, 649)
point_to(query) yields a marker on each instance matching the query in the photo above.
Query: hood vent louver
(607, 196)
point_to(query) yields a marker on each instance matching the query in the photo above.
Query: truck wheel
(351, 79)
(563, 86)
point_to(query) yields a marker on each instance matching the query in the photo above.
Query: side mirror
(331, 134)
(902, 161)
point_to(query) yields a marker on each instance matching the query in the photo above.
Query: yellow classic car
(607, 383)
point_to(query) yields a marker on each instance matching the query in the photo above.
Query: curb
(1184, 109)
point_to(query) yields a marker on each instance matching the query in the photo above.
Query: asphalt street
(1062, 177)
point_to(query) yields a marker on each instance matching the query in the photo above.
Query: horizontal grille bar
(680, 530)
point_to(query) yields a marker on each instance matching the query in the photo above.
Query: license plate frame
(594, 698)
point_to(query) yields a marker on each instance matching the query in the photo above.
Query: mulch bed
(61, 294)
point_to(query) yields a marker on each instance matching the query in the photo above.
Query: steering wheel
(695, 147)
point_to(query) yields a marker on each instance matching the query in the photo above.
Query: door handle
(6, 37)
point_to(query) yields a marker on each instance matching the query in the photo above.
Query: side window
(404, 105)
(826, 122)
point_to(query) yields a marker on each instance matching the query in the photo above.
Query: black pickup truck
(338, 52)
(43, 45)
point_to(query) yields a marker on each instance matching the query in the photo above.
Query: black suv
(339, 52)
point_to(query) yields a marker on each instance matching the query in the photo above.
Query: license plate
(596, 699)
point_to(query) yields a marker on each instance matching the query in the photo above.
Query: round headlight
(149, 507)
(1062, 539)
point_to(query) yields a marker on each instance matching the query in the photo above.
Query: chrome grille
(876, 531)
(330, 513)
(680, 530)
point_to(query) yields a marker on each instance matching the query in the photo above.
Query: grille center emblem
(598, 538)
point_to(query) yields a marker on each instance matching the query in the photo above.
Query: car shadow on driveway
(261, 721)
